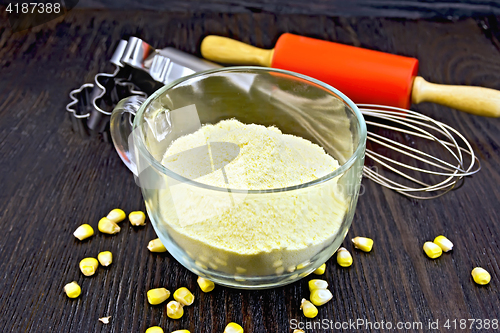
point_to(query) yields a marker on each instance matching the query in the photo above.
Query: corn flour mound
(248, 234)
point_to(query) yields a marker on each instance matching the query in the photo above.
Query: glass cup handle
(121, 128)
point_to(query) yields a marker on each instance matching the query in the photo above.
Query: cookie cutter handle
(121, 127)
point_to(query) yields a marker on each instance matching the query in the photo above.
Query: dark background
(53, 180)
(375, 8)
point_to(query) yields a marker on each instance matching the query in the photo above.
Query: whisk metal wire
(418, 125)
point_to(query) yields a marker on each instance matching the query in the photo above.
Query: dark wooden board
(354, 8)
(53, 180)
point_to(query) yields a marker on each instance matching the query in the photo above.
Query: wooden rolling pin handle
(475, 100)
(230, 51)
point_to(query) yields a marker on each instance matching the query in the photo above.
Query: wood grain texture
(354, 8)
(52, 181)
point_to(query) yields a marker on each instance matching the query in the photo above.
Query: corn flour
(248, 234)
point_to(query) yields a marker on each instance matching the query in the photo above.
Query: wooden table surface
(53, 180)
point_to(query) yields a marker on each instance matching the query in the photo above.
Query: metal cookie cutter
(140, 69)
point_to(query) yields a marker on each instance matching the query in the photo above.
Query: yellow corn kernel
(200, 264)
(344, 258)
(88, 266)
(156, 246)
(116, 215)
(363, 243)
(158, 295)
(154, 329)
(432, 250)
(317, 284)
(320, 270)
(444, 243)
(107, 226)
(72, 289)
(83, 231)
(184, 296)
(181, 331)
(174, 310)
(320, 296)
(481, 276)
(303, 265)
(105, 258)
(137, 218)
(233, 328)
(205, 285)
(298, 331)
(310, 311)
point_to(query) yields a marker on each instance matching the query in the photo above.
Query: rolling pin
(365, 76)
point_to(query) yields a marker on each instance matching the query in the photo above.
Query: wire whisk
(423, 176)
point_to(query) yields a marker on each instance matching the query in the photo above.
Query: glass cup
(234, 236)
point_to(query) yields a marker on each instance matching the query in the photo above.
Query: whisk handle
(475, 100)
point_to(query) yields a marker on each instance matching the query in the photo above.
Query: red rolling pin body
(365, 76)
